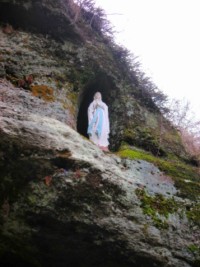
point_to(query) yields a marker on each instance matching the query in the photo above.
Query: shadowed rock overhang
(36, 17)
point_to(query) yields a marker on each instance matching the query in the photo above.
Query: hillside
(65, 202)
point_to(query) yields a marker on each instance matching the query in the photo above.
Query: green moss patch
(185, 176)
(125, 152)
(142, 137)
(193, 214)
(195, 250)
(157, 207)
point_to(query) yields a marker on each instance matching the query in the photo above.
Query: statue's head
(98, 96)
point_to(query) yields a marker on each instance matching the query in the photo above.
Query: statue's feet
(104, 148)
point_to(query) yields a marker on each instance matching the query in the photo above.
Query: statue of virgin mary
(98, 122)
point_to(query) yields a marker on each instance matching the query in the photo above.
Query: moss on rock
(144, 138)
(157, 207)
(43, 91)
(185, 176)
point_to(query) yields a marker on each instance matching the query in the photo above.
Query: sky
(164, 35)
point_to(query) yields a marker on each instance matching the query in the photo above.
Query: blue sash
(98, 116)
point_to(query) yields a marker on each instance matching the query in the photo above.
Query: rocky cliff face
(63, 201)
(66, 203)
(62, 62)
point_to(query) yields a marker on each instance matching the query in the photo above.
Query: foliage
(179, 112)
(191, 142)
(94, 17)
(143, 88)
(180, 115)
(150, 92)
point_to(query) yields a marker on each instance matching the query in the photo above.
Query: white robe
(103, 139)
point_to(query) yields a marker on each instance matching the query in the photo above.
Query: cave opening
(106, 87)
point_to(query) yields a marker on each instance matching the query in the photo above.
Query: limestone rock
(61, 59)
(64, 202)
(68, 203)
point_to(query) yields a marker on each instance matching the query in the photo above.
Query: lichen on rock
(63, 201)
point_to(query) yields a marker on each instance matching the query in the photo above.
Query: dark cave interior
(105, 86)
